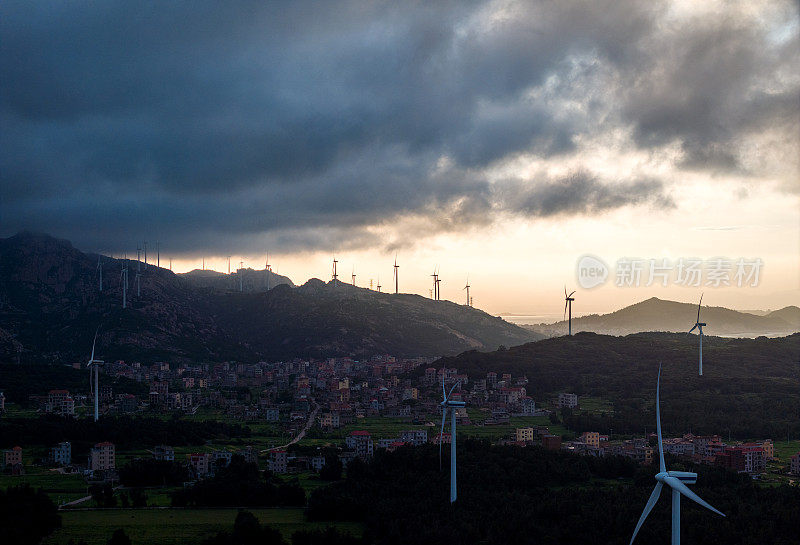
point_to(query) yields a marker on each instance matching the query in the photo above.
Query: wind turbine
(158, 254)
(467, 288)
(568, 303)
(335, 276)
(229, 264)
(379, 284)
(241, 276)
(438, 291)
(676, 480)
(448, 403)
(267, 270)
(354, 275)
(435, 276)
(699, 326)
(123, 277)
(95, 365)
(396, 266)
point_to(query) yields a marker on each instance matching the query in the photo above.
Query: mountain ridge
(656, 314)
(49, 297)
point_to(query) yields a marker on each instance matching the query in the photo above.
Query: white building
(102, 457)
(61, 454)
(567, 400)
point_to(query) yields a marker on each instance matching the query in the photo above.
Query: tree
(119, 538)
(26, 516)
(332, 470)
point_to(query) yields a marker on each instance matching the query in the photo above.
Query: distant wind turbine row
(435, 292)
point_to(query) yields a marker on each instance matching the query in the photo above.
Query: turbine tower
(158, 254)
(267, 270)
(379, 284)
(335, 276)
(94, 366)
(676, 480)
(123, 277)
(438, 290)
(467, 288)
(568, 299)
(435, 276)
(241, 276)
(396, 266)
(229, 264)
(448, 403)
(699, 326)
(354, 275)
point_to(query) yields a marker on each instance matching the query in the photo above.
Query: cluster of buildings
(705, 449)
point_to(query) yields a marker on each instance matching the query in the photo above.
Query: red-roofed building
(361, 443)
(794, 465)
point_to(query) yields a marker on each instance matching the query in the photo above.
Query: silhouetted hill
(749, 386)
(658, 315)
(251, 280)
(318, 319)
(51, 304)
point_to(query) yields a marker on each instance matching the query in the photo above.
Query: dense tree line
(750, 388)
(26, 515)
(529, 495)
(151, 472)
(248, 531)
(238, 485)
(126, 432)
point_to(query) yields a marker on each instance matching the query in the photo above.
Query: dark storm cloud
(210, 123)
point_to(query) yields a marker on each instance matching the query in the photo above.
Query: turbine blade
(441, 433)
(571, 294)
(565, 309)
(695, 327)
(698, 307)
(453, 388)
(647, 508)
(661, 465)
(444, 393)
(94, 341)
(676, 483)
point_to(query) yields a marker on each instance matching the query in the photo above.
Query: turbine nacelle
(685, 477)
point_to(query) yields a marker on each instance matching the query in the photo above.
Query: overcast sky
(498, 139)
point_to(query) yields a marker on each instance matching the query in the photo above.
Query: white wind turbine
(676, 480)
(93, 365)
(699, 326)
(448, 403)
(123, 278)
(100, 270)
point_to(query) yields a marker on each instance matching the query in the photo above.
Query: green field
(61, 488)
(174, 526)
(784, 450)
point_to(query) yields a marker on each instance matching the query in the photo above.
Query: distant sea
(532, 319)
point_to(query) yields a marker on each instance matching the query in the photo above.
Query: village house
(102, 457)
(61, 454)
